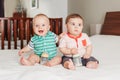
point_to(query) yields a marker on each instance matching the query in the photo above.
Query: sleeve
(31, 45)
(62, 42)
(56, 38)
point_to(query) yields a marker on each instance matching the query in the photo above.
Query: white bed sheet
(105, 48)
(12, 44)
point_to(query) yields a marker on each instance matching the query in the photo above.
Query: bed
(105, 49)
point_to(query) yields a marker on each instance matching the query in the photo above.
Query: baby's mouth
(76, 30)
(40, 31)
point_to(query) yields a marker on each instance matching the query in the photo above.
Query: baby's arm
(27, 48)
(64, 49)
(88, 51)
(67, 51)
(61, 35)
(58, 37)
(24, 50)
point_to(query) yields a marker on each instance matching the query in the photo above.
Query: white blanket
(12, 44)
(105, 48)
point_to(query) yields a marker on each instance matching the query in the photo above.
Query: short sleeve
(62, 42)
(31, 45)
(56, 38)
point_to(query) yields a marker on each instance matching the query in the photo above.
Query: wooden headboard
(20, 29)
(111, 25)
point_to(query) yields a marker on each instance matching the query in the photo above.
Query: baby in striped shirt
(44, 41)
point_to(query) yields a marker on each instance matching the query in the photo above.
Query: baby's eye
(36, 25)
(43, 25)
(73, 24)
(79, 24)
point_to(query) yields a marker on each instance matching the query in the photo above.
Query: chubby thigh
(34, 58)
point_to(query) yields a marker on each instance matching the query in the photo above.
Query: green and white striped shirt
(46, 44)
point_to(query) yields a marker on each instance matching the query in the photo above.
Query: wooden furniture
(111, 25)
(56, 25)
(20, 29)
(19, 14)
(11, 30)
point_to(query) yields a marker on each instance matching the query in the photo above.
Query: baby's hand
(61, 35)
(74, 51)
(86, 56)
(20, 52)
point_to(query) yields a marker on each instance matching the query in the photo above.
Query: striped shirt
(46, 44)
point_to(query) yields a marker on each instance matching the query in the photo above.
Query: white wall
(93, 11)
(9, 7)
(78, 6)
(52, 8)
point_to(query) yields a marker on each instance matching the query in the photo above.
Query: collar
(74, 37)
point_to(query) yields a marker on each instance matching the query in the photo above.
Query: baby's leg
(69, 65)
(33, 58)
(92, 64)
(55, 61)
(24, 61)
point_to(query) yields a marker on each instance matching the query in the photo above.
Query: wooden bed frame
(20, 29)
(111, 25)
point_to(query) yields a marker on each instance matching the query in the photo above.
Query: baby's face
(41, 26)
(75, 26)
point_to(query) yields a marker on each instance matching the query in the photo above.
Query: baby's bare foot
(92, 65)
(71, 65)
(24, 61)
(47, 64)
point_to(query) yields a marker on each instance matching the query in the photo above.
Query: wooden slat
(9, 34)
(60, 26)
(57, 28)
(15, 33)
(2, 33)
(56, 25)
(28, 36)
(21, 33)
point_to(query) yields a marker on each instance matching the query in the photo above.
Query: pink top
(81, 42)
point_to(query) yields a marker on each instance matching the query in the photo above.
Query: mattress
(12, 44)
(105, 49)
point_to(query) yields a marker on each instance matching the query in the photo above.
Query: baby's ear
(49, 27)
(66, 25)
